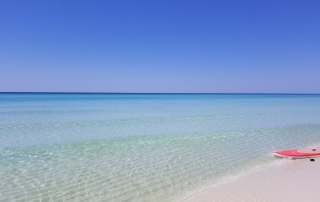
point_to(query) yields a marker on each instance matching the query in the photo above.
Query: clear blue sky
(197, 46)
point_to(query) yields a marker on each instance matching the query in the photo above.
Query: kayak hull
(298, 154)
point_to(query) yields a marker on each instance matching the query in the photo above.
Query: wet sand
(291, 180)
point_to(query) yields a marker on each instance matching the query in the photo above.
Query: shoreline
(293, 180)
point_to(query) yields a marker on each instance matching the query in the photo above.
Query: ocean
(143, 147)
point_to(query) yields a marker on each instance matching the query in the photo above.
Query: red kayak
(298, 153)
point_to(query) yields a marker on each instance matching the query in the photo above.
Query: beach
(154, 147)
(159, 101)
(290, 180)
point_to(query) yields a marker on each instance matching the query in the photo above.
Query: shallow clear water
(142, 147)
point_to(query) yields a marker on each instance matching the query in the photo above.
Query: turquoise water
(142, 147)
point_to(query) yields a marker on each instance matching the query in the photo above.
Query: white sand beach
(292, 180)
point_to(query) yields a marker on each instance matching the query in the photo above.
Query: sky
(160, 46)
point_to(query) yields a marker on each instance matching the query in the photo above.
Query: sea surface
(143, 147)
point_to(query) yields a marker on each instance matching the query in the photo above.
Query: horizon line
(56, 92)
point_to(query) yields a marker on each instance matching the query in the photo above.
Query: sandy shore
(291, 180)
